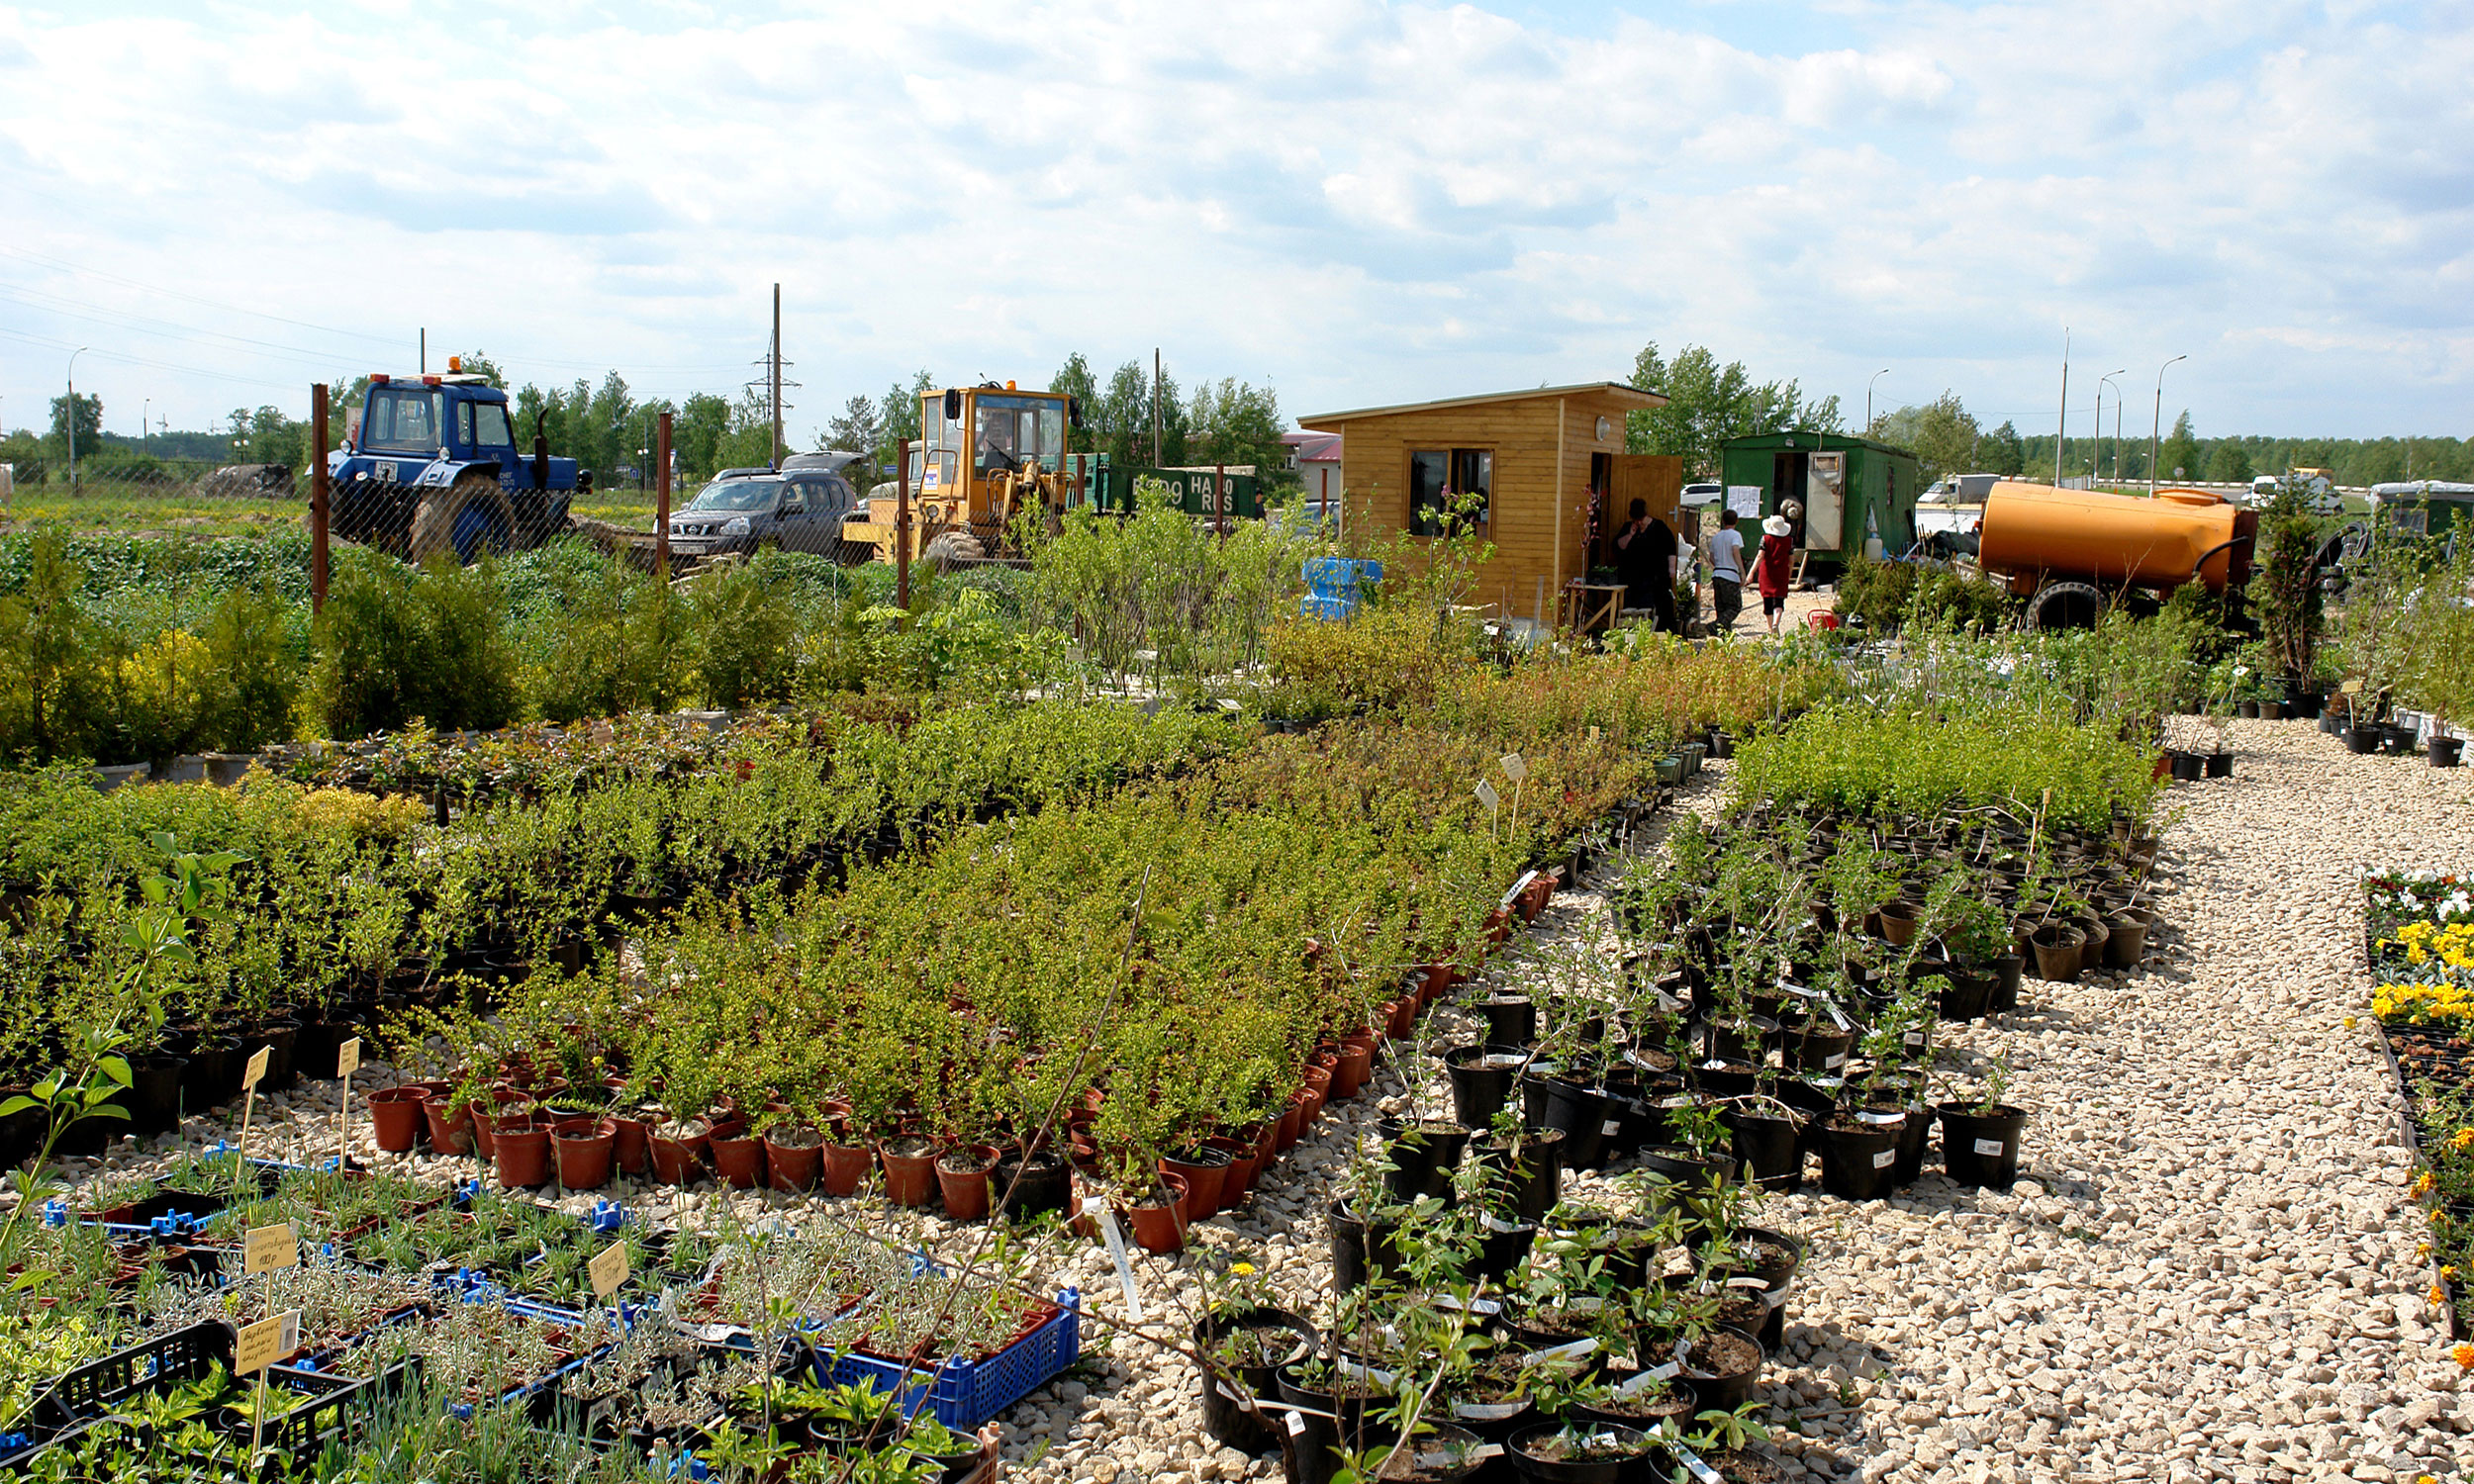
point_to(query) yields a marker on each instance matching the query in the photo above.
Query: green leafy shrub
(397, 642)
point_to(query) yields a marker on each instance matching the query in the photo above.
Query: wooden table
(1588, 607)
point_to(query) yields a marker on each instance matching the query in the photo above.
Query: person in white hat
(1770, 571)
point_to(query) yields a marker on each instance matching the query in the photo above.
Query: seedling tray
(963, 1393)
(97, 1388)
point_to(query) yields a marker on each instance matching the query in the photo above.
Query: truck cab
(431, 467)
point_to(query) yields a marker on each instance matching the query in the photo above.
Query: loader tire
(465, 522)
(2063, 605)
(952, 547)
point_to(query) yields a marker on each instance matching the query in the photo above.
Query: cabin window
(1442, 482)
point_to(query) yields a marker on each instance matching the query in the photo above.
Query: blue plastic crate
(1339, 577)
(963, 1394)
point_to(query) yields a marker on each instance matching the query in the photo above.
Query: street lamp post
(72, 418)
(1877, 376)
(2100, 428)
(2155, 428)
(146, 411)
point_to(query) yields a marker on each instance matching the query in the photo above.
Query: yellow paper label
(348, 1057)
(607, 1270)
(266, 1249)
(256, 1070)
(263, 1343)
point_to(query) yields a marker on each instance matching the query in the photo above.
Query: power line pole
(1158, 379)
(777, 376)
(2062, 435)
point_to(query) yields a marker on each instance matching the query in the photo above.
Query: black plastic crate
(97, 1388)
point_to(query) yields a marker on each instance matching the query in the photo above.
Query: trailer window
(402, 422)
(1447, 484)
(490, 430)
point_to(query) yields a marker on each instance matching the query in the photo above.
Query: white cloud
(1363, 201)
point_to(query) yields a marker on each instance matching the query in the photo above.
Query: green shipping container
(1113, 489)
(1858, 495)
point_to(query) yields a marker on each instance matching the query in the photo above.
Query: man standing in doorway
(1646, 556)
(1726, 572)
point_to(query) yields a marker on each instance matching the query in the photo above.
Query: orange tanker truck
(2076, 554)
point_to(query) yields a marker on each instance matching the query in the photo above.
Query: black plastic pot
(1966, 993)
(1225, 1416)
(1532, 1183)
(1030, 1187)
(314, 1048)
(2217, 765)
(1821, 1047)
(2057, 946)
(1724, 1391)
(1633, 1465)
(1859, 1163)
(1423, 1159)
(1481, 1080)
(1767, 1145)
(2447, 751)
(1511, 1020)
(279, 1036)
(1743, 1039)
(2006, 974)
(1582, 1114)
(1501, 1244)
(2362, 741)
(1725, 1079)
(1361, 1250)
(2187, 767)
(2125, 939)
(1981, 1149)
(2399, 740)
(154, 1094)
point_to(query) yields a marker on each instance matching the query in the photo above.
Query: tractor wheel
(2063, 605)
(952, 547)
(466, 520)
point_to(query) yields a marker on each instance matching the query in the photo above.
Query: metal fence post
(661, 500)
(901, 528)
(318, 493)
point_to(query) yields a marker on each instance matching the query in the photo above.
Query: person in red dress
(1770, 570)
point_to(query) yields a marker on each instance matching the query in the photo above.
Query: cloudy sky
(1357, 202)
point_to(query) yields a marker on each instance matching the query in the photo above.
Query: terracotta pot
(1162, 1228)
(737, 1157)
(1498, 925)
(679, 1161)
(794, 1167)
(1357, 1062)
(1402, 1018)
(480, 1121)
(587, 1147)
(521, 1151)
(395, 1114)
(449, 1125)
(843, 1166)
(1291, 1122)
(1316, 1094)
(634, 1153)
(1245, 1163)
(909, 1174)
(1204, 1173)
(966, 1190)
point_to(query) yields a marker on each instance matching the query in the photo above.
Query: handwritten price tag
(263, 1343)
(607, 1270)
(266, 1249)
(255, 1073)
(1513, 768)
(348, 1057)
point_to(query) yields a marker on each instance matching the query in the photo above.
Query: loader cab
(973, 435)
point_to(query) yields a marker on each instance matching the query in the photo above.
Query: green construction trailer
(1229, 490)
(1858, 495)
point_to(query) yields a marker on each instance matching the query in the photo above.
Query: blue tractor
(432, 471)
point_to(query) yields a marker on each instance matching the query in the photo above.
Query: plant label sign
(1990, 1147)
(1702, 1472)
(1487, 796)
(1513, 768)
(263, 1343)
(1885, 1159)
(266, 1249)
(255, 1073)
(348, 1057)
(1115, 1237)
(607, 1270)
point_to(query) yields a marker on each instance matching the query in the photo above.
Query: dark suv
(801, 509)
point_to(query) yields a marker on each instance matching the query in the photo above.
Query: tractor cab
(431, 467)
(984, 454)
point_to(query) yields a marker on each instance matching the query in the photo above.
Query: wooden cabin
(1549, 463)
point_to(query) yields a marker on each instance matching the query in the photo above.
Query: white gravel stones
(2208, 1270)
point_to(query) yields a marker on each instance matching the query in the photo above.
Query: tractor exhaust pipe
(540, 452)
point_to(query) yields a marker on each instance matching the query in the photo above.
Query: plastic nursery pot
(395, 1117)
(1966, 994)
(586, 1149)
(1032, 1186)
(1361, 1250)
(679, 1158)
(2006, 974)
(737, 1157)
(1205, 1171)
(2217, 765)
(153, 1095)
(1550, 1453)
(1767, 1145)
(1858, 1156)
(2092, 936)
(794, 1156)
(1584, 1115)
(2126, 939)
(2362, 741)
(909, 1163)
(962, 1176)
(632, 1155)
(1265, 1341)
(1424, 1158)
(1482, 1079)
(2445, 751)
(1511, 1019)
(1898, 924)
(448, 1124)
(1249, 1152)
(2056, 946)
(1159, 1219)
(1981, 1149)
(1291, 1124)
(1531, 1182)
(1400, 1018)
(1722, 1369)
(1357, 1062)
(842, 1167)
(1819, 1048)
(520, 1151)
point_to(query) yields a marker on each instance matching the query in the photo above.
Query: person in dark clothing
(1645, 553)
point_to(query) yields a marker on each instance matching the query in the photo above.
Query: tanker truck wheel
(2062, 606)
(464, 522)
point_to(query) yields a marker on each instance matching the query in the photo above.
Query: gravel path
(2208, 1269)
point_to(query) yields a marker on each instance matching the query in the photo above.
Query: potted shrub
(1980, 1137)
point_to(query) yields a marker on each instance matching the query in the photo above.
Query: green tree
(90, 425)
(897, 415)
(2229, 463)
(1941, 433)
(478, 363)
(1233, 423)
(2179, 458)
(697, 433)
(853, 430)
(1998, 452)
(267, 437)
(1707, 404)
(1075, 380)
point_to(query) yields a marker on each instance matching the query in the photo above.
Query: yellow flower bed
(2424, 1004)
(2429, 942)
